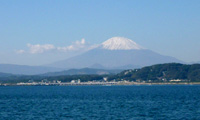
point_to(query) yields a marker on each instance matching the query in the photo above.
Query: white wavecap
(120, 43)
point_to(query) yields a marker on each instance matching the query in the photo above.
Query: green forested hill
(162, 72)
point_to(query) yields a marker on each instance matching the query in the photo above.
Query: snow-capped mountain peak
(120, 43)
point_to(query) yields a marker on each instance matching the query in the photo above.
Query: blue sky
(169, 27)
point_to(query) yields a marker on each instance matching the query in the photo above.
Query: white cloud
(40, 48)
(76, 46)
(82, 42)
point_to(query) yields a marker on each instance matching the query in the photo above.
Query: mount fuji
(115, 53)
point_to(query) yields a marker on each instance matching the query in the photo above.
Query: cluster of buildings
(104, 81)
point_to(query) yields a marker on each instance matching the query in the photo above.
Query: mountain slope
(111, 59)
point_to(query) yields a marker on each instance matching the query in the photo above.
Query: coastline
(99, 84)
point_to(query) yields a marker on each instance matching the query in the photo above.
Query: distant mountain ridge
(5, 74)
(83, 71)
(114, 53)
(129, 66)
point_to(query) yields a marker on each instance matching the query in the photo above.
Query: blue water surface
(100, 102)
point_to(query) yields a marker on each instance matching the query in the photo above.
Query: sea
(136, 102)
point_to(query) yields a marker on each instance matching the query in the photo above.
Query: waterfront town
(103, 82)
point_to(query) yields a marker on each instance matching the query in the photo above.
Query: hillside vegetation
(156, 73)
(161, 72)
